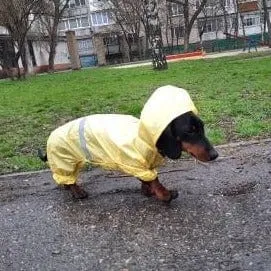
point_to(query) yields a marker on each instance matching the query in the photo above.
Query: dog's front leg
(155, 188)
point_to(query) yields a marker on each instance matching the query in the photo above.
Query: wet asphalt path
(221, 220)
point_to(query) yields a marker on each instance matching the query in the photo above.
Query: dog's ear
(168, 145)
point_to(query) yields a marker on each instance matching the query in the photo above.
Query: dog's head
(186, 133)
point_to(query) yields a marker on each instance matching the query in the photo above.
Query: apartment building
(77, 18)
(234, 19)
(98, 36)
(93, 26)
(101, 41)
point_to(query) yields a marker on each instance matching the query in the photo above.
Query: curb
(24, 173)
(243, 143)
(229, 145)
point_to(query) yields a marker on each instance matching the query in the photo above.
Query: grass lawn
(233, 96)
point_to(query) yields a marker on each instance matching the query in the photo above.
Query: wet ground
(221, 220)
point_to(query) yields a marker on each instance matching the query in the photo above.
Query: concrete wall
(62, 60)
(100, 49)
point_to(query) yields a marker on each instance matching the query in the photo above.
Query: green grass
(233, 96)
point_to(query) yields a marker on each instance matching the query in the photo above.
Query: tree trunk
(268, 22)
(18, 70)
(186, 25)
(52, 53)
(155, 36)
(53, 44)
(269, 30)
(225, 18)
(189, 22)
(243, 30)
(139, 47)
(186, 41)
(24, 60)
(19, 55)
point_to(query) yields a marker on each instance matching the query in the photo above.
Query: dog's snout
(213, 154)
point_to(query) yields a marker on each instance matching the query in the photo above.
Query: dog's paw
(81, 195)
(174, 194)
(77, 191)
(146, 190)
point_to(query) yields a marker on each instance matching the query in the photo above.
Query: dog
(134, 146)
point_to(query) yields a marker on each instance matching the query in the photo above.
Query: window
(250, 21)
(74, 23)
(84, 46)
(84, 21)
(176, 9)
(111, 40)
(80, 2)
(76, 3)
(262, 18)
(209, 3)
(177, 32)
(101, 18)
(209, 27)
(219, 24)
(227, 3)
(62, 25)
(234, 23)
(212, 25)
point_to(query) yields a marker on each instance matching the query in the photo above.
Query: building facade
(240, 20)
(101, 41)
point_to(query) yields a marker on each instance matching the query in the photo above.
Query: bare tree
(202, 26)
(50, 16)
(169, 24)
(17, 16)
(191, 10)
(154, 34)
(222, 5)
(128, 15)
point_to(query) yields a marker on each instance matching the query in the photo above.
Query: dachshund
(184, 133)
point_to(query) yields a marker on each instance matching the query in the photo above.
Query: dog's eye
(190, 132)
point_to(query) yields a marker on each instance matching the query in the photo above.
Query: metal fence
(219, 45)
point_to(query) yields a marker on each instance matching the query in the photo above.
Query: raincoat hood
(164, 105)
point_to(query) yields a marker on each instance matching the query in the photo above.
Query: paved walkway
(220, 221)
(209, 55)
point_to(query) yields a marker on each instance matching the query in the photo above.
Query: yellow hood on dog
(117, 142)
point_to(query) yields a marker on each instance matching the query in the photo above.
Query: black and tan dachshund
(184, 133)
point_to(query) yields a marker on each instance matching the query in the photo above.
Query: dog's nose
(213, 154)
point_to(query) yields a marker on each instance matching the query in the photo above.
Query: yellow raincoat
(117, 142)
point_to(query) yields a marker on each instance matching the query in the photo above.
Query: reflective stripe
(82, 139)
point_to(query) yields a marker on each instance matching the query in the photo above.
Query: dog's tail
(42, 156)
